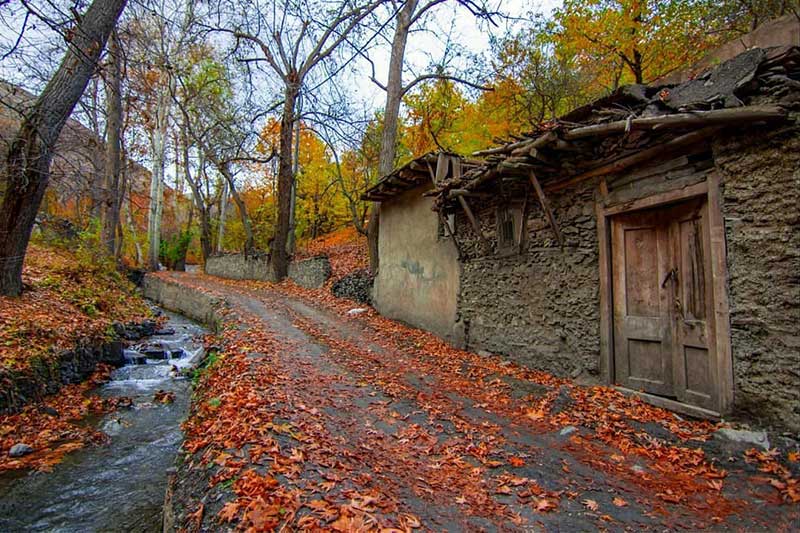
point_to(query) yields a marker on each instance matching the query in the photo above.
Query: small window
(509, 229)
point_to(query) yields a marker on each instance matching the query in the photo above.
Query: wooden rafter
(682, 120)
(639, 157)
(473, 221)
(546, 207)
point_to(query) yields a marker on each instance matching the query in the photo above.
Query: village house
(649, 240)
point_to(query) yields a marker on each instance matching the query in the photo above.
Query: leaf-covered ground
(312, 418)
(69, 296)
(53, 426)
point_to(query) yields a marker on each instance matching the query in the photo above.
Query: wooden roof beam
(682, 120)
(640, 157)
(474, 222)
(546, 207)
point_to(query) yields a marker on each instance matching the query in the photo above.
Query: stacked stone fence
(311, 273)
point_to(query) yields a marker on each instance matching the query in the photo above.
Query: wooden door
(662, 300)
(693, 363)
(642, 317)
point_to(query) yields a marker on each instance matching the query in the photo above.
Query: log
(505, 149)
(680, 120)
(640, 157)
(546, 207)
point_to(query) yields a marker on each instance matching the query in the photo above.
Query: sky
(446, 21)
(426, 47)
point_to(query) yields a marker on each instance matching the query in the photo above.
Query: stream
(118, 486)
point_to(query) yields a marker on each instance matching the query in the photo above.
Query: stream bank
(119, 486)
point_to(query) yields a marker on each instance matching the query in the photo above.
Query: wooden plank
(442, 166)
(546, 207)
(719, 281)
(672, 405)
(645, 155)
(473, 221)
(431, 173)
(606, 303)
(455, 167)
(681, 120)
(698, 189)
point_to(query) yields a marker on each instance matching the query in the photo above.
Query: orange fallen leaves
(52, 427)
(257, 409)
(545, 505)
(516, 461)
(783, 482)
(68, 300)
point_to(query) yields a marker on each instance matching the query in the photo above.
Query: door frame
(720, 319)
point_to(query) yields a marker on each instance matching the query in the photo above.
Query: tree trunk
(113, 162)
(280, 257)
(394, 94)
(28, 161)
(240, 205)
(290, 245)
(223, 213)
(158, 143)
(199, 200)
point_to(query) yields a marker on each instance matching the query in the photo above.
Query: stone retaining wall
(236, 266)
(310, 273)
(47, 375)
(181, 299)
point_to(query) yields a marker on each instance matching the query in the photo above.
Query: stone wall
(194, 304)
(761, 180)
(46, 375)
(539, 307)
(236, 266)
(418, 278)
(310, 273)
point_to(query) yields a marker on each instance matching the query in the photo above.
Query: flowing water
(118, 486)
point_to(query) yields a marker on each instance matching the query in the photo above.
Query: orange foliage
(52, 427)
(67, 298)
(264, 395)
(346, 249)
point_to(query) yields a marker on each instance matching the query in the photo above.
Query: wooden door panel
(662, 303)
(695, 375)
(642, 333)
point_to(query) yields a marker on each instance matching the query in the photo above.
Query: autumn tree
(113, 153)
(27, 169)
(534, 80)
(631, 41)
(408, 14)
(291, 40)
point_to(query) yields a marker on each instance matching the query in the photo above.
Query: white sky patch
(448, 20)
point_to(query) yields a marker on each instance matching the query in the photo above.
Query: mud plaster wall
(761, 194)
(418, 277)
(539, 307)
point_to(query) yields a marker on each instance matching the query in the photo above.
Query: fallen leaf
(619, 502)
(516, 461)
(590, 504)
(544, 505)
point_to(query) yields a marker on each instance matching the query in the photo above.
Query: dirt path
(351, 425)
